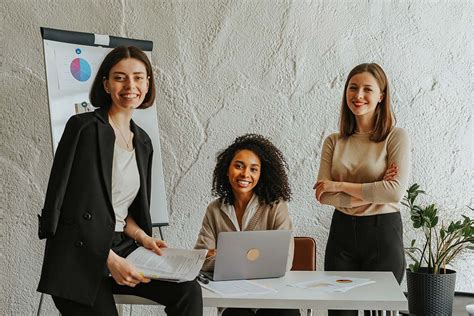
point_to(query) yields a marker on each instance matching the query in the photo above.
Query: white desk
(384, 294)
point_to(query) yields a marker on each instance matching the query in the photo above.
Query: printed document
(333, 283)
(176, 265)
(238, 288)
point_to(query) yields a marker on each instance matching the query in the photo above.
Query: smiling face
(244, 172)
(127, 84)
(363, 94)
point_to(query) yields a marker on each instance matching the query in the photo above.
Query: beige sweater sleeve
(336, 199)
(207, 238)
(283, 222)
(398, 152)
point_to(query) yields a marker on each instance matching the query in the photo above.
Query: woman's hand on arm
(123, 272)
(391, 172)
(133, 231)
(211, 253)
(150, 243)
(351, 189)
(323, 186)
(391, 187)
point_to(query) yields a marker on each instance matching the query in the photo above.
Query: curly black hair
(273, 183)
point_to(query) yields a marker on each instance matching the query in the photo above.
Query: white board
(72, 60)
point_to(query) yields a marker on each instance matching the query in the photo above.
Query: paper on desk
(333, 283)
(237, 288)
(176, 265)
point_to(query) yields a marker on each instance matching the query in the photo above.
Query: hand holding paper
(154, 244)
(123, 272)
(176, 265)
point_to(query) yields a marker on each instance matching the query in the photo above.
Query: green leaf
(455, 237)
(451, 228)
(418, 209)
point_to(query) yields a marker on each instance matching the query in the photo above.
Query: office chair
(304, 257)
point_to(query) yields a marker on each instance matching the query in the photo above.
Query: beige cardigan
(267, 217)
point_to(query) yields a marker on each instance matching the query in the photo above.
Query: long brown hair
(384, 117)
(100, 98)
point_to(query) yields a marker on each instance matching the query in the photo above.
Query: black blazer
(78, 219)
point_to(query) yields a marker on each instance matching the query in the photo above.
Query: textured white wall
(225, 68)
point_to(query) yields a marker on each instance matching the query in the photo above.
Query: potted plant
(430, 284)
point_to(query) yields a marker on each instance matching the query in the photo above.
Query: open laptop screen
(251, 254)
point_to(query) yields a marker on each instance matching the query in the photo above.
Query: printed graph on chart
(76, 69)
(80, 69)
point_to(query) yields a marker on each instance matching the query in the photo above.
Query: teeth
(129, 96)
(243, 182)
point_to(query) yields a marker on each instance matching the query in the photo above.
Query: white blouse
(125, 184)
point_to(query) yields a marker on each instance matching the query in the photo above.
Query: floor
(460, 302)
(461, 299)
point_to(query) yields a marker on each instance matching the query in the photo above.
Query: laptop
(251, 255)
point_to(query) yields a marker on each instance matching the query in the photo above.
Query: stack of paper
(333, 283)
(238, 288)
(175, 265)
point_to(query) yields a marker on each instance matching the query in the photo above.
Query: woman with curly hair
(252, 187)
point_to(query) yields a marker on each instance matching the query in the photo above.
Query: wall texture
(225, 68)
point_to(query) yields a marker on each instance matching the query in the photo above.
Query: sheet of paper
(333, 283)
(173, 264)
(237, 288)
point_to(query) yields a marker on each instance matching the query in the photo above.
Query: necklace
(127, 143)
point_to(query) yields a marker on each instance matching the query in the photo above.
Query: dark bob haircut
(99, 97)
(273, 183)
(384, 117)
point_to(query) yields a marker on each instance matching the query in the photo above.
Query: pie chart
(80, 69)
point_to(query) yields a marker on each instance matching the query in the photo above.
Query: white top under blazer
(125, 184)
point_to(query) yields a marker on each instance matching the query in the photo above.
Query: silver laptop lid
(251, 254)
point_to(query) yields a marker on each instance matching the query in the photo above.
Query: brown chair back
(304, 258)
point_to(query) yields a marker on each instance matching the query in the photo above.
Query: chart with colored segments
(80, 69)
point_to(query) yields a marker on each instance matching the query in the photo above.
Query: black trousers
(260, 312)
(365, 243)
(180, 299)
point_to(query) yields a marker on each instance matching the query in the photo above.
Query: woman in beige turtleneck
(363, 174)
